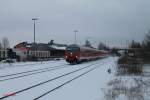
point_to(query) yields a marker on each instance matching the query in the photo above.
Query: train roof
(84, 47)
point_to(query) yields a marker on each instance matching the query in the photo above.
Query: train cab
(72, 53)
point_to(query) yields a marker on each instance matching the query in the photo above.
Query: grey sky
(97, 20)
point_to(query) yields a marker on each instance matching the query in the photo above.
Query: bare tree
(134, 44)
(146, 41)
(5, 43)
(102, 46)
(146, 47)
(0, 45)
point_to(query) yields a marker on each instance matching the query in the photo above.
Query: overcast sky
(96, 20)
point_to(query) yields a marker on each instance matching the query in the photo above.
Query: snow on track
(87, 87)
(20, 67)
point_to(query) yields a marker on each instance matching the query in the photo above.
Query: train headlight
(66, 57)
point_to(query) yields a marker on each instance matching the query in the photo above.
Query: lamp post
(34, 19)
(75, 41)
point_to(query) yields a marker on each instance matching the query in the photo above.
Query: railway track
(14, 66)
(65, 83)
(24, 65)
(55, 78)
(31, 72)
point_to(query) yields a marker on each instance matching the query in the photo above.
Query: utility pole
(34, 19)
(75, 41)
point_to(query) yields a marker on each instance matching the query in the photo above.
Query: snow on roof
(23, 49)
(58, 48)
(28, 46)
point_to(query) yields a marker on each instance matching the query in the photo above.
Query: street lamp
(34, 19)
(75, 31)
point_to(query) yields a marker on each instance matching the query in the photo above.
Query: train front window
(72, 49)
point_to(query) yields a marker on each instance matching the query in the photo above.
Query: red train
(77, 54)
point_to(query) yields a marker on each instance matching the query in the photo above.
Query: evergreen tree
(88, 44)
(102, 46)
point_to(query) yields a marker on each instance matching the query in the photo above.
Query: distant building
(7, 53)
(36, 51)
(3, 54)
(21, 50)
(39, 51)
(57, 51)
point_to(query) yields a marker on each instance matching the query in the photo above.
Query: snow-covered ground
(129, 86)
(87, 87)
